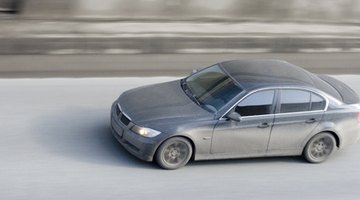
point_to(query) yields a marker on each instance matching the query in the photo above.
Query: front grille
(124, 120)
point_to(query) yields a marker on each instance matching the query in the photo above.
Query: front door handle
(263, 125)
(310, 121)
(206, 138)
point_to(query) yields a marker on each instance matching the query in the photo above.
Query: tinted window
(259, 103)
(317, 102)
(212, 87)
(294, 101)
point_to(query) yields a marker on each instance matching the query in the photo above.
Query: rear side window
(259, 103)
(317, 102)
(294, 101)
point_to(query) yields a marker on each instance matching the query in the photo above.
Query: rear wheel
(319, 148)
(174, 153)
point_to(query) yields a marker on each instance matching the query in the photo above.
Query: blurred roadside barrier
(132, 37)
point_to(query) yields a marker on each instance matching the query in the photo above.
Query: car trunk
(348, 95)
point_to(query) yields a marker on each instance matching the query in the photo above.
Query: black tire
(319, 148)
(174, 153)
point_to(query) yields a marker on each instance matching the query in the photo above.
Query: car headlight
(146, 132)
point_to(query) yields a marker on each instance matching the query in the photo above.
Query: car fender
(323, 126)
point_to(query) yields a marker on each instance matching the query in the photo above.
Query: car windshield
(211, 88)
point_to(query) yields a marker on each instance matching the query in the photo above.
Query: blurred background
(289, 10)
(127, 36)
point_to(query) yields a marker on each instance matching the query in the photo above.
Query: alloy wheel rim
(321, 148)
(175, 153)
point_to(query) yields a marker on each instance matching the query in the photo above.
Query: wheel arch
(179, 136)
(333, 133)
(337, 138)
(327, 127)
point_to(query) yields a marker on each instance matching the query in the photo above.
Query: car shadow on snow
(276, 160)
(247, 161)
(84, 134)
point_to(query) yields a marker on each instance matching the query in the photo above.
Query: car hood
(160, 103)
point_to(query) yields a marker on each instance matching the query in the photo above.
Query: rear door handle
(263, 125)
(310, 121)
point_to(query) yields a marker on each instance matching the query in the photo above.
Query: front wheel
(319, 148)
(174, 153)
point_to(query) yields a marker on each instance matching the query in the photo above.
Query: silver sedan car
(238, 109)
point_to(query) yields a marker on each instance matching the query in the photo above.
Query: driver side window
(259, 103)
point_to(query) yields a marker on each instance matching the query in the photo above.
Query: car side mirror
(234, 116)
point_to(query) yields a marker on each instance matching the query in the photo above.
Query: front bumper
(141, 147)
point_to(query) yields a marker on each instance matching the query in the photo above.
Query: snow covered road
(55, 143)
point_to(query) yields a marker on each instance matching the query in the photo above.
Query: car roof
(258, 73)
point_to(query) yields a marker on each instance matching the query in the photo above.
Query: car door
(250, 135)
(298, 113)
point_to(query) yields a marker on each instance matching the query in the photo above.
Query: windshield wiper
(196, 100)
(189, 93)
(183, 84)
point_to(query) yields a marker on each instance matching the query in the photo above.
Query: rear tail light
(358, 116)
